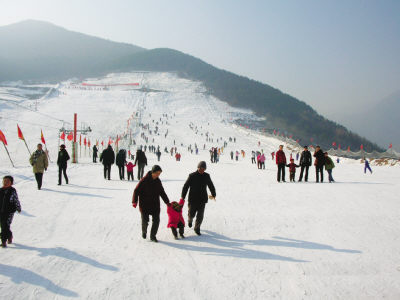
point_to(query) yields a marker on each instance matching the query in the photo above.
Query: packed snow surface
(260, 239)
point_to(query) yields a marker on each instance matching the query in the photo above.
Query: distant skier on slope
(95, 150)
(281, 163)
(366, 166)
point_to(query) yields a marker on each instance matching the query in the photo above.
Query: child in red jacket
(129, 170)
(175, 218)
(292, 169)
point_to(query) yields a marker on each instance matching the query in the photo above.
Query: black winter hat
(202, 165)
(155, 168)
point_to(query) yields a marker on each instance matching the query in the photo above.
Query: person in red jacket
(175, 218)
(129, 170)
(281, 162)
(292, 169)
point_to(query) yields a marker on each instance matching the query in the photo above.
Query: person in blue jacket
(366, 166)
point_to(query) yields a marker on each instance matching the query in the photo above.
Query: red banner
(20, 135)
(62, 136)
(42, 137)
(70, 136)
(3, 138)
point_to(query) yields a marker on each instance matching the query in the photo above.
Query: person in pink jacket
(262, 161)
(175, 218)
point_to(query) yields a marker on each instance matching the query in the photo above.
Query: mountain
(379, 122)
(41, 51)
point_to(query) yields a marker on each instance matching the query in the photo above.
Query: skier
(231, 155)
(281, 163)
(237, 155)
(366, 166)
(273, 155)
(197, 182)
(262, 160)
(329, 165)
(39, 162)
(62, 159)
(147, 193)
(120, 161)
(305, 163)
(319, 163)
(95, 150)
(107, 157)
(129, 170)
(9, 204)
(141, 162)
(292, 170)
(175, 218)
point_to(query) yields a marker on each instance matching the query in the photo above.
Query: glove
(134, 204)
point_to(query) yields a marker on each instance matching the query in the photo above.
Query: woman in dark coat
(120, 161)
(319, 163)
(147, 193)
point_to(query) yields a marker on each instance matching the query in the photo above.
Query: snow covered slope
(261, 239)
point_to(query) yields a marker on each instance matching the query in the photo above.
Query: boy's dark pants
(155, 223)
(107, 171)
(181, 229)
(292, 175)
(130, 175)
(319, 170)
(196, 209)
(5, 221)
(62, 170)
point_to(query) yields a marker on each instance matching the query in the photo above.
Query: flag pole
(27, 147)
(9, 155)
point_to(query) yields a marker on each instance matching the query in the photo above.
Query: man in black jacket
(62, 159)
(95, 150)
(198, 182)
(305, 163)
(120, 161)
(319, 163)
(107, 157)
(147, 193)
(141, 162)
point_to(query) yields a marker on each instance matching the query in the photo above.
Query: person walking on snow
(253, 157)
(329, 165)
(62, 159)
(262, 160)
(175, 218)
(120, 161)
(366, 166)
(9, 204)
(198, 182)
(281, 163)
(129, 170)
(147, 193)
(39, 162)
(141, 162)
(95, 150)
(107, 157)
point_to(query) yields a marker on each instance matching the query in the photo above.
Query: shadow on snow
(20, 275)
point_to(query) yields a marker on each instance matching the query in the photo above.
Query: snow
(261, 239)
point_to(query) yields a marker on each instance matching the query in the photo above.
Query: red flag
(362, 147)
(62, 136)
(290, 136)
(334, 144)
(42, 137)
(70, 136)
(348, 149)
(297, 140)
(20, 135)
(390, 146)
(3, 138)
(84, 141)
(102, 143)
(274, 131)
(88, 143)
(110, 141)
(80, 139)
(339, 146)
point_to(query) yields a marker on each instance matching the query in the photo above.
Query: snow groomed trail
(260, 239)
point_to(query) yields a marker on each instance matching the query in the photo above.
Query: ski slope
(260, 239)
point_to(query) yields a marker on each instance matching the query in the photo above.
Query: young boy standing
(9, 204)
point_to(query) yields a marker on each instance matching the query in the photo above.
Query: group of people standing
(321, 160)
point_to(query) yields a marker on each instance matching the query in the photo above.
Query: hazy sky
(334, 55)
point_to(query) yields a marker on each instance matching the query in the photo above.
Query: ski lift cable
(27, 108)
